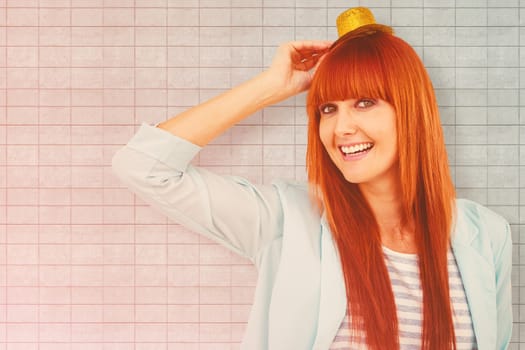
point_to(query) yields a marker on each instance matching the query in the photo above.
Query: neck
(385, 201)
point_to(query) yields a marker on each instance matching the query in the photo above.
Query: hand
(292, 65)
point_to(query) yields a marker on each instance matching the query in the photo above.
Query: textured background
(86, 265)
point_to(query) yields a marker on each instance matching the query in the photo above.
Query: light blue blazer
(300, 297)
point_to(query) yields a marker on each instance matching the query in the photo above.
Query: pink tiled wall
(83, 263)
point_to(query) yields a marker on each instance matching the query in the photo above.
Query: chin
(355, 179)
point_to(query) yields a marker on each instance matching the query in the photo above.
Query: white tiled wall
(86, 265)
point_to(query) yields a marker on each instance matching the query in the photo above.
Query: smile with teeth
(356, 148)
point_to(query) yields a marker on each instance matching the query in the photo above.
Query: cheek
(392, 144)
(390, 132)
(393, 134)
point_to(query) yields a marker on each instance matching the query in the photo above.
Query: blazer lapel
(295, 294)
(478, 277)
(332, 306)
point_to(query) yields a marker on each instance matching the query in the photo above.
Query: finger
(306, 55)
(310, 54)
(304, 65)
(312, 50)
(308, 63)
(312, 44)
(311, 59)
(306, 48)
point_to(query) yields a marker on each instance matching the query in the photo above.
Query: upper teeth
(355, 148)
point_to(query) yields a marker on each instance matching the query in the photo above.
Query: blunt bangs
(352, 69)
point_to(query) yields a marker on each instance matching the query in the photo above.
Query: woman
(374, 252)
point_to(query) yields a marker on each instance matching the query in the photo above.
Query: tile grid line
(516, 332)
(455, 96)
(137, 123)
(103, 308)
(70, 170)
(230, 292)
(264, 110)
(166, 308)
(295, 104)
(486, 103)
(5, 288)
(103, 119)
(38, 174)
(199, 74)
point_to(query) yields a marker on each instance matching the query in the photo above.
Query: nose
(345, 124)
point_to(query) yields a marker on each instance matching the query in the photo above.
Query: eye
(327, 108)
(365, 103)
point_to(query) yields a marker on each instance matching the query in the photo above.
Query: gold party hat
(358, 18)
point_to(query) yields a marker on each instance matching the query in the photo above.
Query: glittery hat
(359, 18)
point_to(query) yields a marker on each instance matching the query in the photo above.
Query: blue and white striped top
(404, 275)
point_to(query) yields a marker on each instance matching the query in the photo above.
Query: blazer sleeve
(503, 266)
(155, 165)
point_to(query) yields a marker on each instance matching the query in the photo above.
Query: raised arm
(155, 164)
(289, 74)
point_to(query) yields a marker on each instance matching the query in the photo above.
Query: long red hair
(383, 66)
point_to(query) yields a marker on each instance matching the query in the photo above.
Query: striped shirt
(403, 270)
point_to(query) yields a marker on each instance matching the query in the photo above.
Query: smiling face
(372, 92)
(360, 137)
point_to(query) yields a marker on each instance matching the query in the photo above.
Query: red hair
(382, 66)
